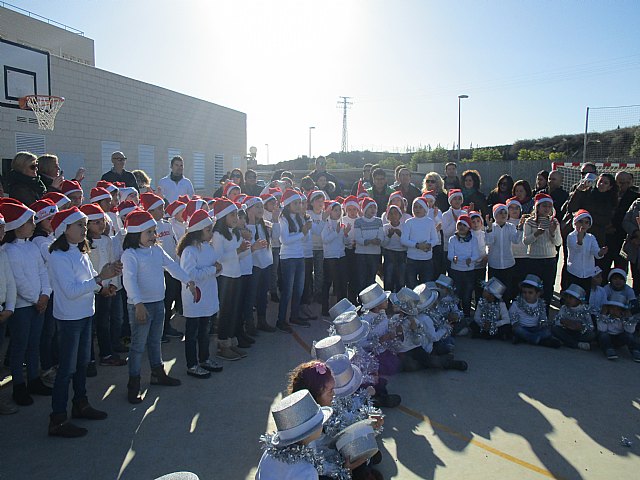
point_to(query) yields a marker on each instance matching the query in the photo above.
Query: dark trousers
(196, 334)
(545, 268)
(367, 266)
(25, 326)
(480, 276)
(171, 296)
(571, 338)
(503, 332)
(439, 266)
(334, 274)
(394, 267)
(102, 325)
(463, 283)
(257, 292)
(506, 276)
(519, 273)
(229, 295)
(608, 341)
(248, 299)
(48, 339)
(352, 275)
(307, 292)
(419, 271)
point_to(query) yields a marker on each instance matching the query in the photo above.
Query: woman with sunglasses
(23, 181)
(433, 182)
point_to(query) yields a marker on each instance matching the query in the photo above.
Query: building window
(218, 167)
(198, 171)
(147, 161)
(29, 142)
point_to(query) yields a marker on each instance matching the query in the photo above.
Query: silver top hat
(427, 296)
(617, 299)
(532, 280)
(297, 416)
(576, 291)
(348, 377)
(357, 441)
(373, 296)
(350, 327)
(326, 348)
(445, 282)
(406, 300)
(495, 287)
(432, 285)
(341, 307)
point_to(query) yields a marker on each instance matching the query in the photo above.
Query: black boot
(160, 377)
(82, 409)
(133, 390)
(60, 427)
(264, 326)
(21, 395)
(36, 387)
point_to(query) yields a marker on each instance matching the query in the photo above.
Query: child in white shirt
(583, 250)
(369, 235)
(395, 253)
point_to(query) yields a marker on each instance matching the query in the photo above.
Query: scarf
(467, 192)
(176, 178)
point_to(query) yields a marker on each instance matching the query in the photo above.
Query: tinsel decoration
(629, 322)
(489, 314)
(327, 463)
(349, 410)
(368, 364)
(536, 311)
(581, 313)
(416, 335)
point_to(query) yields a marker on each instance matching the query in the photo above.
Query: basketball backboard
(23, 71)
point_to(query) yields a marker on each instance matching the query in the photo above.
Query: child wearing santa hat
(369, 235)
(351, 208)
(143, 266)
(449, 219)
(334, 236)
(75, 283)
(271, 215)
(395, 253)
(463, 253)
(7, 304)
(419, 236)
(519, 250)
(500, 237)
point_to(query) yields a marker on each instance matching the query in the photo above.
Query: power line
(345, 104)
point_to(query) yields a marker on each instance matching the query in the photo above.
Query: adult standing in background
(471, 193)
(409, 191)
(23, 181)
(522, 191)
(380, 190)
(433, 182)
(118, 172)
(51, 174)
(451, 179)
(321, 167)
(542, 182)
(251, 186)
(175, 184)
(557, 193)
(585, 168)
(365, 179)
(502, 192)
(234, 177)
(627, 195)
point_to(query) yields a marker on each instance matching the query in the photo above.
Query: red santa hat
(223, 207)
(362, 192)
(64, 218)
(514, 201)
(465, 220)
(329, 204)
(396, 194)
(126, 191)
(192, 206)
(315, 194)
(138, 221)
(44, 208)
(150, 201)
(422, 202)
(391, 207)
(267, 197)
(14, 201)
(430, 194)
(110, 187)
(453, 193)
(174, 208)
(120, 184)
(542, 198)
(276, 192)
(240, 198)
(58, 198)
(250, 201)
(289, 196)
(184, 199)
(15, 215)
(475, 213)
(580, 215)
(70, 186)
(498, 207)
(125, 208)
(339, 199)
(92, 211)
(98, 194)
(228, 187)
(367, 202)
(199, 221)
(351, 201)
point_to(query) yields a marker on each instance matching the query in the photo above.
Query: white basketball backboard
(23, 71)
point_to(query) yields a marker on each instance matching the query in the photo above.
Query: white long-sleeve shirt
(419, 230)
(72, 278)
(524, 319)
(143, 273)
(499, 240)
(463, 250)
(198, 262)
(333, 242)
(316, 235)
(431, 334)
(43, 243)
(449, 219)
(227, 251)
(394, 242)
(171, 190)
(616, 326)
(581, 259)
(262, 257)
(102, 253)
(351, 236)
(179, 228)
(29, 272)
(437, 220)
(167, 238)
(7, 284)
(519, 249)
(291, 243)
(501, 319)
(275, 229)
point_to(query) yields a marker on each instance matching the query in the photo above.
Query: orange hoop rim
(23, 101)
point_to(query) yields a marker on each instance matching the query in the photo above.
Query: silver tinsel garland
(627, 321)
(581, 313)
(538, 311)
(349, 410)
(329, 463)
(416, 336)
(365, 360)
(489, 313)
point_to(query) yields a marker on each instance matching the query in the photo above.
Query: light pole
(267, 145)
(310, 128)
(460, 97)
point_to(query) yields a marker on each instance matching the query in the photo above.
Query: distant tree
(557, 156)
(390, 162)
(526, 155)
(634, 152)
(437, 155)
(486, 155)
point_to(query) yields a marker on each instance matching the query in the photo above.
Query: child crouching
(573, 325)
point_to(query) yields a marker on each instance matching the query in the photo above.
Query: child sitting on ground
(447, 310)
(598, 295)
(529, 315)
(617, 279)
(491, 318)
(573, 325)
(616, 326)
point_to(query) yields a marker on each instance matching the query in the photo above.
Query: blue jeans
(48, 339)
(149, 334)
(273, 281)
(419, 271)
(74, 340)
(257, 292)
(444, 346)
(318, 274)
(608, 341)
(367, 267)
(117, 318)
(292, 287)
(25, 325)
(394, 268)
(196, 333)
(532, 335)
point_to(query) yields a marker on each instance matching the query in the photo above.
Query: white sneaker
(198, 372)
(584, 345)
(212, 365)
(463, 333)
(49, 377)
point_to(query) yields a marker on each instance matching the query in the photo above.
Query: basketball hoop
(44, 106)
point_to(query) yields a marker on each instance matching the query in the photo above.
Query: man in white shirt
(175, 184)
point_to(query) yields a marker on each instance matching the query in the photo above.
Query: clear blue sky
(529, 68)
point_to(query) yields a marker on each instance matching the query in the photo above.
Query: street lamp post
(267, 145)
(310, 128)
(460, 97)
